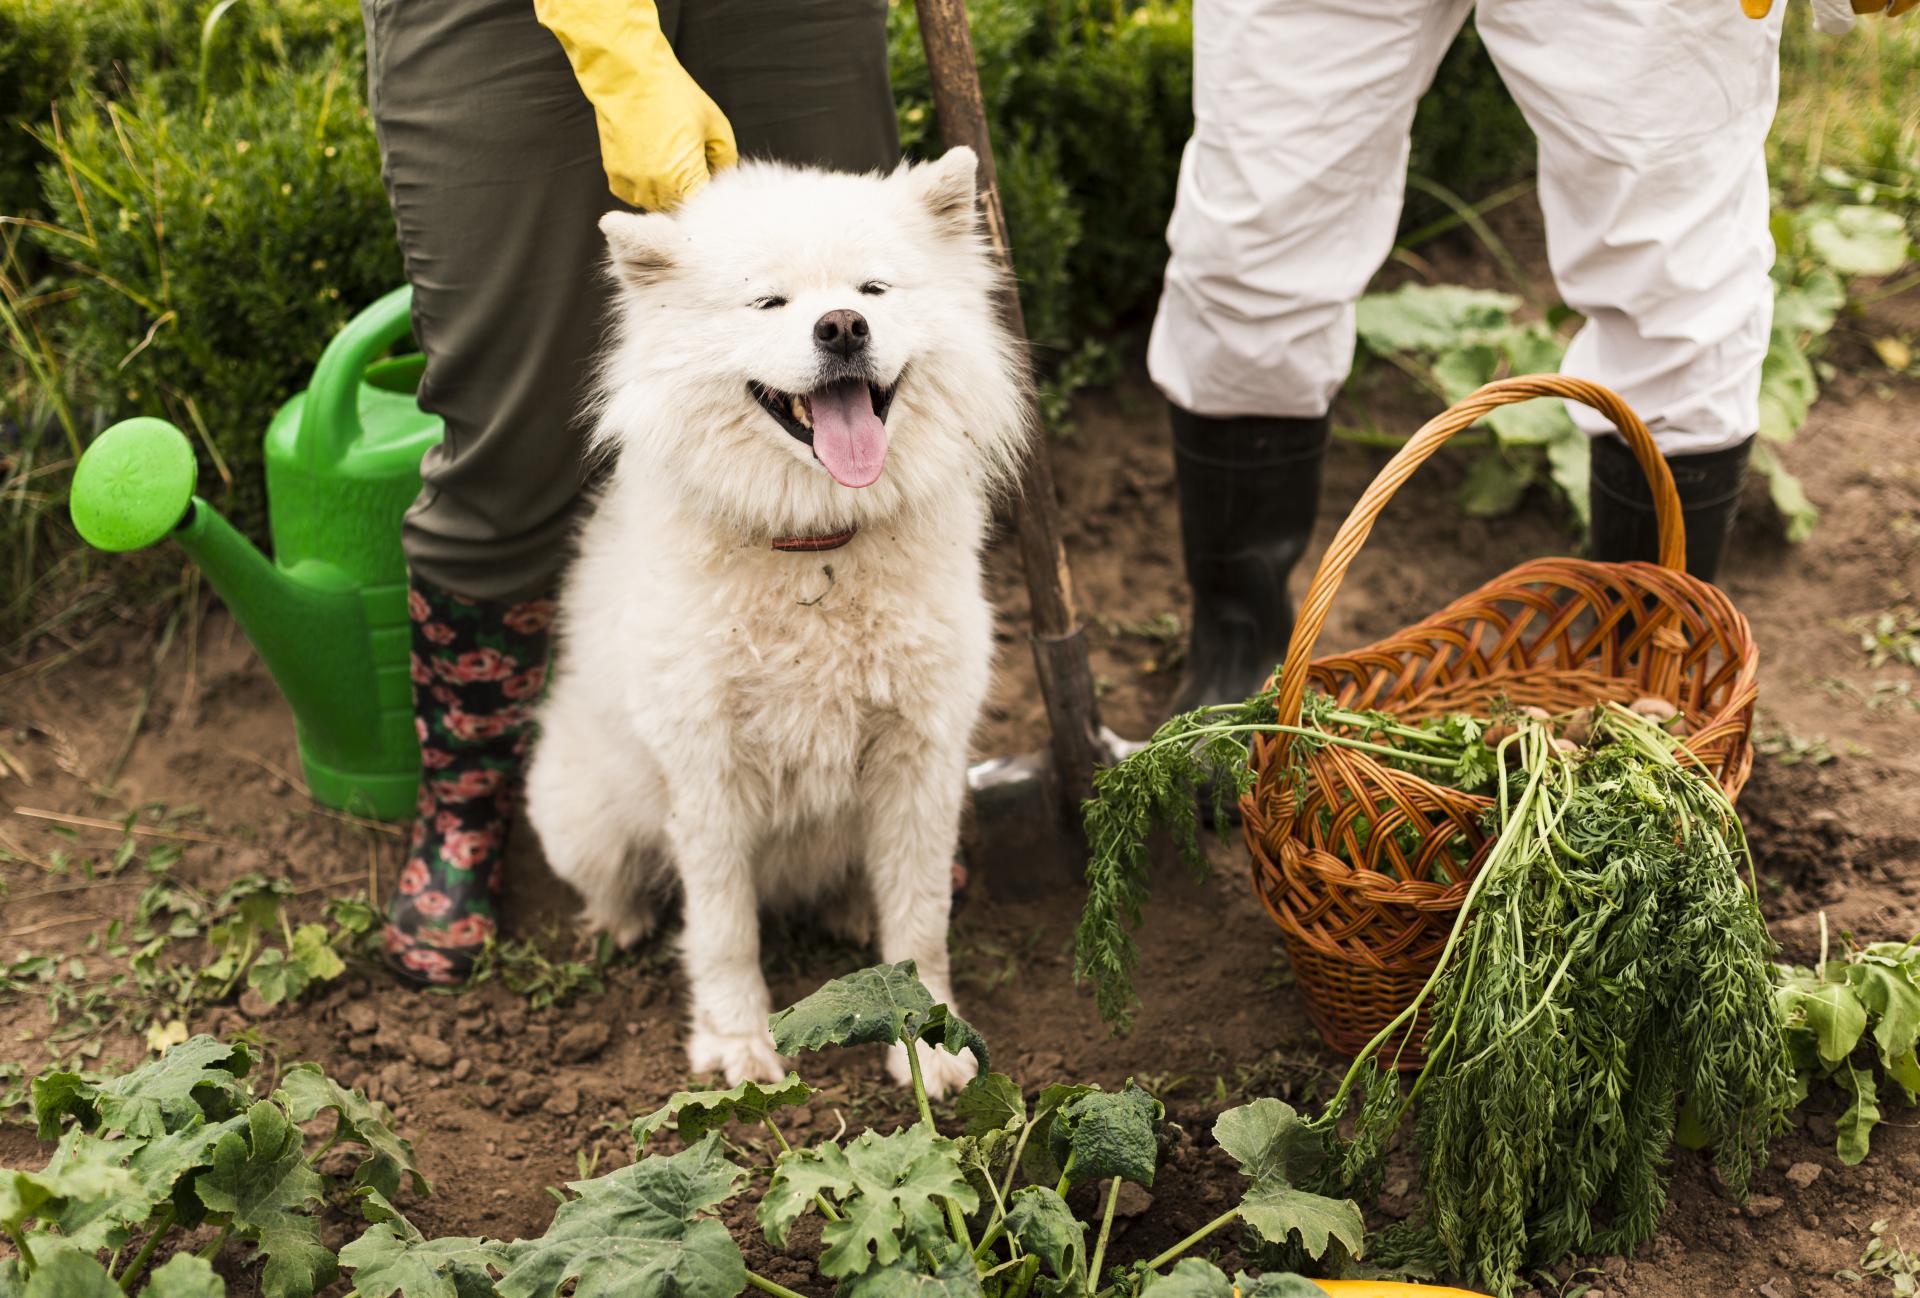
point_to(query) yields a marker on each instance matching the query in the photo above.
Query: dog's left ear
(945, 187)
(640, 246)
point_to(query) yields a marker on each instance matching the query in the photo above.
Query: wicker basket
(1363, 920)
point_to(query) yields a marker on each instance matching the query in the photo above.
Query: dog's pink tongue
(848, 438)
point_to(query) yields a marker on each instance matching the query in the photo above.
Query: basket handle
(1418, 449)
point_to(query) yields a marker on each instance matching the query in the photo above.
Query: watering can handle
(330, 416)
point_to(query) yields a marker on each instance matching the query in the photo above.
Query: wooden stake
(1059, 641)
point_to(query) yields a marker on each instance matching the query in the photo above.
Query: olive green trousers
(492, 162)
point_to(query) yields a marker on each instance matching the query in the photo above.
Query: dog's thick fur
(762, 728)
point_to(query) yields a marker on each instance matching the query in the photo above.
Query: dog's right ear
(640, 246)
(945, 188)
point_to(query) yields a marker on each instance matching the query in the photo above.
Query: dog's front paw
(739, 1056)
(627, 927)
(940, 1071)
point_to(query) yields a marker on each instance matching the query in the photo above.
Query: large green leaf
(880, 1005)
(1862, 1114)
(694, 1113)
(1277, 1284)
(392, 1257)
(1276, 1149)
(1831, 1011)
(640, 1232)
(1043, 1224)
(284, 975)
(991, 1102)
(1857, 239)
(47, 1194)
(1038, 1162)
(1789, 496)
(1191, 1277)
(184, 1276)
(1570, 465)
(890, 1191)
(1461, 370)
(1276, 1211)
(260, 1177)
(1495, 485)
(1268, 1139)
(1429, 317)
(1109, 1134)
(1808, 308)
(1788, 388)
(307, 1092)
(1888, 994)
(198, 1078)
(958, 1279)
(798, 1177)
(102, 1217)
(69, 1273)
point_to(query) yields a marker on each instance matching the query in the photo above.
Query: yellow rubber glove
(660, 135)
(1835, 17)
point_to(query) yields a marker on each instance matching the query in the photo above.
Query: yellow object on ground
(1891, 8)
(1390, 1289)
(661, 136)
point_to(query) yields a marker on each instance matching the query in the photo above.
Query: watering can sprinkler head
(133, 486)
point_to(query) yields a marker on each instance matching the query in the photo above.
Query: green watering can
(328, 614)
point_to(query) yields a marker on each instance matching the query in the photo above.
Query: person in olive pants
(507, 128)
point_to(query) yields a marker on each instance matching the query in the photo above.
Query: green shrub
(218, 253)
(41, 44)
(49, 48)
(1468, 135)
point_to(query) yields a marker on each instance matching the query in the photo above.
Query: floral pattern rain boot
(478, 669)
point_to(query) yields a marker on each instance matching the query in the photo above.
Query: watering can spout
(135, 487)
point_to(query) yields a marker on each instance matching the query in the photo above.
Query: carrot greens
(1605, 983)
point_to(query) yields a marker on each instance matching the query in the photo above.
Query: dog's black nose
(841, 332)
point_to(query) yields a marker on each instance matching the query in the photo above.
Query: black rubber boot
(1249, 491)
(478, 669)
(1624, 527)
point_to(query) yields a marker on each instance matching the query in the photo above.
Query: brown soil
(501, 1099)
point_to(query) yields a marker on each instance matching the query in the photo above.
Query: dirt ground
(501, 1100)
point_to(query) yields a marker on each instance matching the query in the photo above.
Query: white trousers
(1651, 116)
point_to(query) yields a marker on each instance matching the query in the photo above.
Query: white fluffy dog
(774, 643)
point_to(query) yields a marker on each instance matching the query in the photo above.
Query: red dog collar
(814, 544)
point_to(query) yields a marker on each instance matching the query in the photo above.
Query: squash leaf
(69, 1273)
(991, 1102)
(307, 1092)
(198, 1078)
(1043, 1224)
(1862, 1114)
(889, 1189)
(392, 1257)
(1108, 1134)
(958, 1278)
(694, 1113)
(639, 1232)
(1038, 1162)
(1276, 1149)
(260, 1177)
(881, 1005)
(184, 1276)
